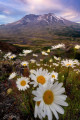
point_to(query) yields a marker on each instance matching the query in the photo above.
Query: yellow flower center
(12, 57)
(23, 83)
(53, 76)
(41, 79)
(48, 97)
(38, 103)
(50, 60)
(24, 64)
(68, 65)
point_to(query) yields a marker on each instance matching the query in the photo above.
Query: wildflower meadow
(39, 85)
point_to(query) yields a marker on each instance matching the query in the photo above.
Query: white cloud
(2, 17)
(69, 14)
(7, 12)
(39, 7)
(6, 19)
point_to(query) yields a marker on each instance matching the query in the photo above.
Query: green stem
(66, 76)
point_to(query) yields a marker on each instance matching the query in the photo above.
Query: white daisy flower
(37, 64)
(12, 75)
(22, 55)
(51, 60)
(12, 56)
(35, 55)
(40, 76)
(24, 63)
(38, 112)
(58, 46)
(76, 62)
(41, 59)
(51, 99)
(54, 76)
(55, 64)
(48, 51)
(33, 61)
(44, 53)
(32, 71)
(77, 70)
(68, 63)
(27, 51)
(77, 47)
(57, 58)
(22, 83)
(45, 64)
(7, 55)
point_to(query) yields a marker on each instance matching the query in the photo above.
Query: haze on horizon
(13, 10)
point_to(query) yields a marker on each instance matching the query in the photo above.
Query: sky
(13, 10)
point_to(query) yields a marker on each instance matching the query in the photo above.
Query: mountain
(46, 19)
(42, 27)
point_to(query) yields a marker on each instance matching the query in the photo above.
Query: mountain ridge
(48, 18)
(42, 27)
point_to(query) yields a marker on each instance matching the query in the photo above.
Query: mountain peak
(39, 26)
(45, 19)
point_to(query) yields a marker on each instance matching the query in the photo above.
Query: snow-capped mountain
(44, 26)
(46, 19)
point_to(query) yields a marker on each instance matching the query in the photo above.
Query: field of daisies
(40, 85)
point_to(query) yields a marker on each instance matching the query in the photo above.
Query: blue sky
(13, 10)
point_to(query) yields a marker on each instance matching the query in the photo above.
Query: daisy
(51, 60)
(68, 63)
(77, 70)
(38, 112)
(37, 64)
(12, 75)
(35, 55)
(51, 99)
(58, 46)
(40, 76)
(22, 83)
(77, 47)
(32, 71)
(22, 54)
(57, 58)
(55, 64)
(24, 63)
(27, 51)
(41, 59)
(76, 62)
(54, 76)
(33, 61)
(45, 64)
(48, 51)
(12, 56)
(9, 91)
(7, 55)
(44, 53)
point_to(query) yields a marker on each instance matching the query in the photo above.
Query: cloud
(69, 9)
(38, 6)
(2, 16)
(6, 19)
(62, 8)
